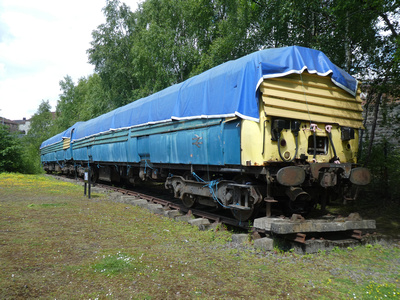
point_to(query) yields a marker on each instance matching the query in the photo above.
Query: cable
(328, 129)
(211, 185)
(315, 146)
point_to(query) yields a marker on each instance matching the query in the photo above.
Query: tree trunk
(371, 93)
(347, 47)
(373, 127)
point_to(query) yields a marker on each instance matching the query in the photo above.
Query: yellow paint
(311, 97)
(314, 100)
(66, 143)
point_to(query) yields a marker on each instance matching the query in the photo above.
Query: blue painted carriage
(248, 125)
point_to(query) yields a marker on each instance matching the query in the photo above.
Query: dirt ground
(57, 244)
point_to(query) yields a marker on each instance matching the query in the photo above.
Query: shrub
(11, 151)
(384, 166)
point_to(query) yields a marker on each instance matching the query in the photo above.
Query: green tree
(41, 123)
(68, 109)
(137, 54)
(382, 71)
(41, 129)
(111, 53)
(11, 151)
(95, 100)
(163, 45)
(233, 32)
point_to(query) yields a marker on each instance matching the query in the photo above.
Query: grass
(55, 243)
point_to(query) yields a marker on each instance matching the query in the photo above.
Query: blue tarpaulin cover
(228, 90)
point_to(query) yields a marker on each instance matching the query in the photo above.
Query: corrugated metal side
(52, 148)
(105, 138)
(311, 97)
(66, 143)
(206, 141)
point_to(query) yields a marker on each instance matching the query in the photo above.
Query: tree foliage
(80, 102)
(11, 151)
(41, 128)
(41, 123)
(21, 153)
(167, 41)
(111, 53)
(69, 104)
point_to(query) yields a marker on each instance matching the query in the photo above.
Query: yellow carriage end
(308, 99)
(66, 143)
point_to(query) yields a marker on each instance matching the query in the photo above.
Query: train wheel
(94, 175)
(189, 201)
(300, 206)
(240, 214)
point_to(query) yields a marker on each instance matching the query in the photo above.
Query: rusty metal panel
(291, 176)
(360, 176)
(311, 97)
(316, 168)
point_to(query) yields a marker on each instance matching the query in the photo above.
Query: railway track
(170, 203)
(303, 235)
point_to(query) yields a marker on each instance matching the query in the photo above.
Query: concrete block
(240, 238)
(172, 213)
(156, 208)
(209, 226)
(212, 226)
(140, 202)
(115, 195)
(128, 199)
(286, 226)
(321, 226)
(199, 221)
(184, 218)
(266, 244)
(98, 190)
(265, 223)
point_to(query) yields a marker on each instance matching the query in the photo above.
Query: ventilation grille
(313, 98)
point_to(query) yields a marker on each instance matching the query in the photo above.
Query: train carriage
(276, 126)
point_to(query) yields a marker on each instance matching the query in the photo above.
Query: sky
(41, 42)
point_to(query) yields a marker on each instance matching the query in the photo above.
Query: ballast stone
(265, 243)
(136, 201)
(172, 213)
(240, 238)
(140, 202)
(184, 218)
(155, 208)
(115, 195)
(129, 199)
(98, 190)
(199, 221)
